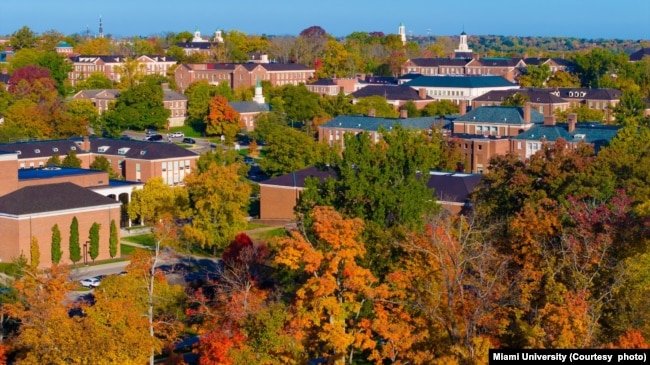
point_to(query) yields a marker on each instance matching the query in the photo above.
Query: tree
(137, 108)
(57, 253)
(377, 103)
(218, 198)
(113, 240)
(93, 236)
(329, 303)
(102, 163)
(23, 38)
(96, 80)
(222, 119)
(631, 108)
(157, 199)
(49, 39)
(74, 248)
(440, 108)
(563, 79)
(54, 160)
(34, 253)
(299, 104)
(30, 74)
(516, 99)
(535, 76)
(59, 68)
(95, 46)
(71, 160)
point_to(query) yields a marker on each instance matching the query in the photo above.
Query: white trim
(57, 213)
(283, 187)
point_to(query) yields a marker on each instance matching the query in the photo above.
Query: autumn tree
(56, 251)
(222, 119)
(73, 247)
(95, 46)
(155, 200)
(81, 114)
(218, 197)
(34, 253)
(329, 302)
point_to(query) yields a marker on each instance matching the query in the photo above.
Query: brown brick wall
(278, 202)
(19, 233)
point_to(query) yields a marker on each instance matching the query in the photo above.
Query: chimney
(422, 92)
(462, 107)
(371, 112)
(85, 145)
(403, 114)
(549, 121)
(572, 119)
(527, 112)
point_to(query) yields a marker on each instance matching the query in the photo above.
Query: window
(122, 151)
(518, 145)
(164, 166)
(480, 147)
(102, 149)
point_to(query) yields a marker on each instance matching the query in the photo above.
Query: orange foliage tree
(329, 303)
(222, 119)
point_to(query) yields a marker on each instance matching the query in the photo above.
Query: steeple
(401, 31)
(101, 28)
(259, 97)
(463, 50)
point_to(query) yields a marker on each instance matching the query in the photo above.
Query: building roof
(452, 186)
(375, 123)
(197, 45)
(297, 179)
(594, 133)
(275, 67)
(379, 80)
(638, 55)
(133, 149)
(437, 62)
(542, 96)
(51, 198)
(584, 93)
(170, 95)
(98, 93)
(495, 62)
(460, 82)
(390, 92)
(249, 107)
(500, 114)
(52, 172)
(324, 82)
(63, 44)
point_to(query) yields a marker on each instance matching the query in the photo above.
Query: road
(202, 144)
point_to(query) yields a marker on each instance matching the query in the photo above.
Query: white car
(90, 282)
(178, 134)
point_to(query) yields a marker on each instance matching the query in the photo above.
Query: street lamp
(86, 253)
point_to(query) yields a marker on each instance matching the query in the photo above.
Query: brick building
(85, 65)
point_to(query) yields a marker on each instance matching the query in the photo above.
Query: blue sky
(622, 19)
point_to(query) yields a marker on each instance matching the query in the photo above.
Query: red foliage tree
(29, 74)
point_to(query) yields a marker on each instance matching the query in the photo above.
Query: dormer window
(102, 149)
(74, 148)
(18, 153)
(123, 151)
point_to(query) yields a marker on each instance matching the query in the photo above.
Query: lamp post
(86, 253)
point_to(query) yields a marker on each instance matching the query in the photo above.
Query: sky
(621, 19)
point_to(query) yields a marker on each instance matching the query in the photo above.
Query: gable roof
(390, 92)
(375, 123)
(500, 114)
(495, 62)
(249, 106)
(586, 93)
(51, 198)
(452, 186)
(437, 62)
(36, 149)
(543, 96)
(461, 82)
(638, 55)
(297, 179)
(594, 133)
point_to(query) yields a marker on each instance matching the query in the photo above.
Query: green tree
(71, 160)
(23, 38)
(57, 253)
(54, 160)
(93, 236)
(49, 39)
(300, 104)
(630, 110)
(412, 110)
(563, 79)
(137, 108)
(585, 114)
(102, 163)
(378, 104)
(535, 76)
(59, 68)
(34, 253)
(74, 248)
(219, 197)
(113, 240)
(84, 114)
(96, 80)
(440, 108)
(515, 99)
(198, 101)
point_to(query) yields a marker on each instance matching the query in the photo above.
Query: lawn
(267, 235)
(187, 130)
(141, 239)
(255, 226)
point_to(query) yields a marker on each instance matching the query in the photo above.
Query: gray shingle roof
(586, 93)
(390, 92)
(297, 179)
(460, 81)
(595, 133)
(375, 123)
(500, 114)
(535, 95)
(437, 62)
(249, 107)
(452, 187)
(638, 55)
(51, 198)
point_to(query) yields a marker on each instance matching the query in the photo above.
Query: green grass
(255, 226)
(141, 239)
(266, 235)
(187, 130)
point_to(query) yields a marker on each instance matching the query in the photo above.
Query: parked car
(178, 134)
(189, 140)
(90, 282)
(155, 137)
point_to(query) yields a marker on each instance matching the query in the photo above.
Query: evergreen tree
(34, 254)
(75, 249)
(112, 241)
(56, 245)
(94, 240)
